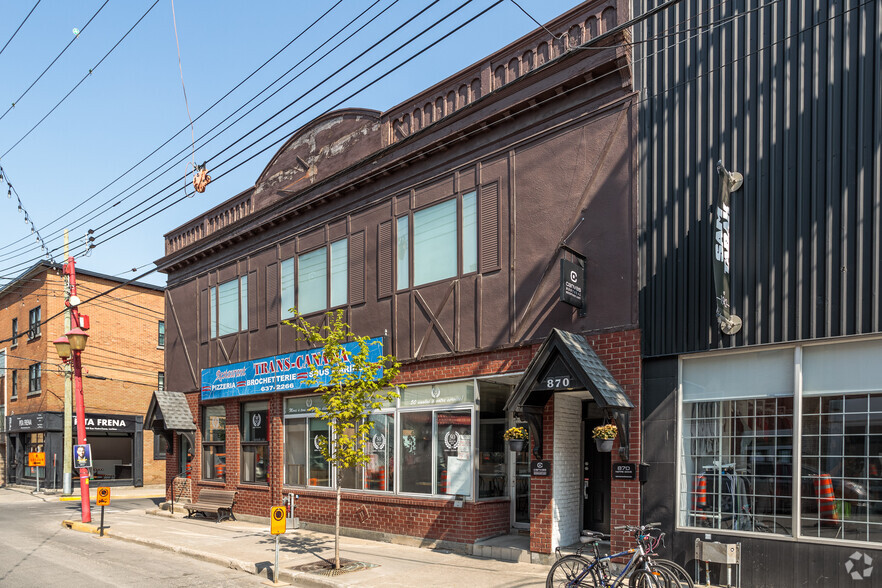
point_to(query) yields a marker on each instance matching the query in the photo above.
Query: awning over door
(169, 413)
(565, 362)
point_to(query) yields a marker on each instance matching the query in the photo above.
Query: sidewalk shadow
(300, 544)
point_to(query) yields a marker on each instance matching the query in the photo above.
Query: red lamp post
(71, 346)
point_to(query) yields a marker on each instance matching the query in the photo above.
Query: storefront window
(214, 457)
(379, 471)
(34, 444)
(739, 466)
(416, 452)
(454, 451)
(737, 448)
(255, 458)
(842, 442)
(319, 468)
(492, 451)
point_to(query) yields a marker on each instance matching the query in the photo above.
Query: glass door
(519, 474)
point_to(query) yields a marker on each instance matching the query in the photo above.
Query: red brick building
(443, 228)
(122, 366)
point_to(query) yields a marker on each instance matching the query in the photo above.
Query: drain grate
(325, 568)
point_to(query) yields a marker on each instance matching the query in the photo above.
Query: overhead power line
(66, 47)
(19, 27)
(79, 205)
(89, 73)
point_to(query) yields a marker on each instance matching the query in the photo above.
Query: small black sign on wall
(624, 471)
(540, 467)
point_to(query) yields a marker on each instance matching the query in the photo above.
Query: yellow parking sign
(103, 497)
(277, 520)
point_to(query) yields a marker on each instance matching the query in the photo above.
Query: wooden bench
(219, 502)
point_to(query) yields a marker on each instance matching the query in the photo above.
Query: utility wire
(687, 81)
(19, 27)
(64, 215)
(175, 183)
(76, 36)
(92, 69)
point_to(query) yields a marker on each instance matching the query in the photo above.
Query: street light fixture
(62, 346)
(77, 338)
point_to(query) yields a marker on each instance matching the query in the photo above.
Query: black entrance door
(596, 487)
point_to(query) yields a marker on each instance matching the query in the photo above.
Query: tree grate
(326, 568)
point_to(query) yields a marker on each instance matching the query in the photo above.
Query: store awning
(565, 362)
(169, 413)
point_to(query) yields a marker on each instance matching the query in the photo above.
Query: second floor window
(160, 381)
(228, 307)
(160, 340)
(320, 280)
(14, 376)
(14, 332)
(34, 323)
(438, 242)
(34, 374)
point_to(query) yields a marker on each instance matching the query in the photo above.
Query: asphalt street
(35, 550)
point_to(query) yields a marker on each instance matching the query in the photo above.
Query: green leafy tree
(355, 386)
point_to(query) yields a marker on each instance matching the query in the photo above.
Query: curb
(298, 578)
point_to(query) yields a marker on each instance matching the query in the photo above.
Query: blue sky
(133, 102)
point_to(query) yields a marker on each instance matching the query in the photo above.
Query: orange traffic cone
(699, 497)
(826, 501)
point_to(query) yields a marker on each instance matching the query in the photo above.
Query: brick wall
(121, 361)
(620, 352)
(552, 518)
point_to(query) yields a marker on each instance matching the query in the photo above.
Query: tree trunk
(337, 532)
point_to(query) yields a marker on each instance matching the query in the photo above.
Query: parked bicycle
(641, 571)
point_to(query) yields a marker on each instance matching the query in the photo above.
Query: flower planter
(604, 445)
(516, 445)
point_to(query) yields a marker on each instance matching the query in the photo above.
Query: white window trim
(397, 410)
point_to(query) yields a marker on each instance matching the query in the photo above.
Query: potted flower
(516, 437)
(604, 435)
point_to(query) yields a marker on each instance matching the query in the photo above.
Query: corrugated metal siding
(790, 95)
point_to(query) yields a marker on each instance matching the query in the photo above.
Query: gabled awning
(565, 362)
(169, 413)
(565, 355)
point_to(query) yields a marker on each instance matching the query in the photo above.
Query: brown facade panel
(356, 268)
(489, 227)
(384, 260)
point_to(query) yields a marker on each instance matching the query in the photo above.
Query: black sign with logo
(540, 468)
(572, 283)
(624, 471)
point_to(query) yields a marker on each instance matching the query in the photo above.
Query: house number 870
(558, 382)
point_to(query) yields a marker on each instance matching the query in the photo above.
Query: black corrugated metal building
(772, 436)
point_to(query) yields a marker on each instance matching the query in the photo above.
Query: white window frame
(406, 222)
(291, 265)
(214, 307)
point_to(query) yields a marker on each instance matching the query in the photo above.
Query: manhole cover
(325, 568)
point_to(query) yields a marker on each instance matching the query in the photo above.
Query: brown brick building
(442, 228)
(122, 366)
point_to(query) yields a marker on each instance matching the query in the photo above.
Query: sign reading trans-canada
(275, 374)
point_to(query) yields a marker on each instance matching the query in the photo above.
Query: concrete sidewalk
(251, 548)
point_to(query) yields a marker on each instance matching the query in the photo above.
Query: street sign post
(37, 459)
(277, 528)
(102, 500)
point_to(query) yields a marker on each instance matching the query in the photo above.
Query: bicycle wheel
(571, 571)
(684, 580)
(643, 579)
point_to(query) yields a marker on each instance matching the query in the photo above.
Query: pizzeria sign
(290, 371)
